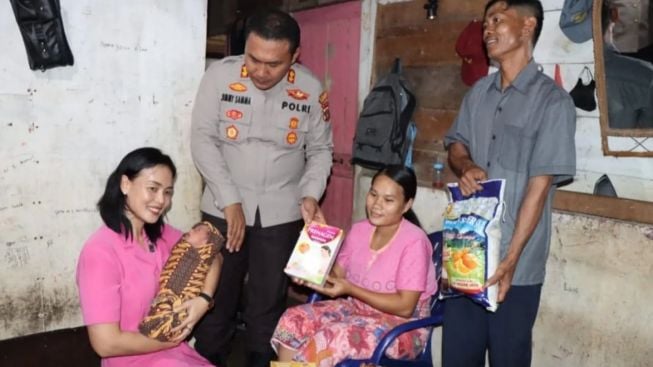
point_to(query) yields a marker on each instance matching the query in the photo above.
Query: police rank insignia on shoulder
(297, 94)
(243, 71)
(324, 103)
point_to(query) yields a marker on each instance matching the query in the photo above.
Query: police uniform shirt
(264, 149)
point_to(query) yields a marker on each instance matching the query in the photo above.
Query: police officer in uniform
(262, 141)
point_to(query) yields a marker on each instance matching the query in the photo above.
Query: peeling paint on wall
(62, 131)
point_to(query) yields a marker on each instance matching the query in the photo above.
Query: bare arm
(468, 172)
(109, 341)
(529, 215)
(401, 303)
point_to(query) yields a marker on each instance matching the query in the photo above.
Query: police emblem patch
(291, 138)
(238, 87)
(294, 123)
(243, 71)
(297, 94)
(232, 132)
(234, 114)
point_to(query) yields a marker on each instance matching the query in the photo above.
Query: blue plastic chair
(379, 357)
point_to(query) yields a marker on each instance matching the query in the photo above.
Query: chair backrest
(436, 241)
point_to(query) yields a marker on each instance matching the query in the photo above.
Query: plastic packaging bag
(472, 238)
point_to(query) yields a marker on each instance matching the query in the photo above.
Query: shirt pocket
(516, 147)
(290, 130)
(234, 123)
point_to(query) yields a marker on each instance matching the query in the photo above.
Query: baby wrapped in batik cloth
(181, 279)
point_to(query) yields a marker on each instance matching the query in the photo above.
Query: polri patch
(294, 123)
(298, 107)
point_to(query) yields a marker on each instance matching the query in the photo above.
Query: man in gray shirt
(261, 139)
(516, 124)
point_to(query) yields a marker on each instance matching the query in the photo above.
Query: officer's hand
(311, 211)
(469, 180)
(235, 218)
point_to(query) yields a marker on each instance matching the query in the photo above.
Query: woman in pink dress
(119, 266)
(384, 276)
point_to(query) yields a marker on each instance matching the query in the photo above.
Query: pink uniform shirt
(117, 280)
(403, 264)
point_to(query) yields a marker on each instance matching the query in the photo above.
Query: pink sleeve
(414, 266)
(345, 252)
(98, 281)
(356, 233)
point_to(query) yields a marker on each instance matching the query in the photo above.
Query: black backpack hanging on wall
(383, 132)
(40, 25)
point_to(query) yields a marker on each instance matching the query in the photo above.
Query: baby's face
(198, 235)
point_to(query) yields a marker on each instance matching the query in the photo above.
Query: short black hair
(112, 203)
(532, 8)
(274, 24)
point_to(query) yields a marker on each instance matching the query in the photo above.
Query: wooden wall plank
(438, 87)
(413, 13)
(432, 45)
(432, 124)
(609, 207)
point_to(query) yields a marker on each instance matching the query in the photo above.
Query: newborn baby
(181, 279)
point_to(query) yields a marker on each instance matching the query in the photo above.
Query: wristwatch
(207, 298)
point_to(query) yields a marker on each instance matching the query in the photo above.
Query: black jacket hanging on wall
(43, 34)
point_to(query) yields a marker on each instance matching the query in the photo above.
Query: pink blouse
(403, 264)
(117, 280)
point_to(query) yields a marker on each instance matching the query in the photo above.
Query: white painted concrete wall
(596, 300)
(137, 67)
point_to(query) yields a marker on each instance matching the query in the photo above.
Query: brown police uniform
(266, 150)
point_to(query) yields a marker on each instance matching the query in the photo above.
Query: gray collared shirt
(523, 131)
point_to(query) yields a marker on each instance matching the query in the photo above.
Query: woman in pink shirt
(385, 272)
(119, 266)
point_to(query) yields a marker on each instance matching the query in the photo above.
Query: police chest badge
(291, 138)
(234, 114)
(294, 123)
(238, 87)
(297, 94)
(232, 132)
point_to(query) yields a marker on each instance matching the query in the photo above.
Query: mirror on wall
(623, 50)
